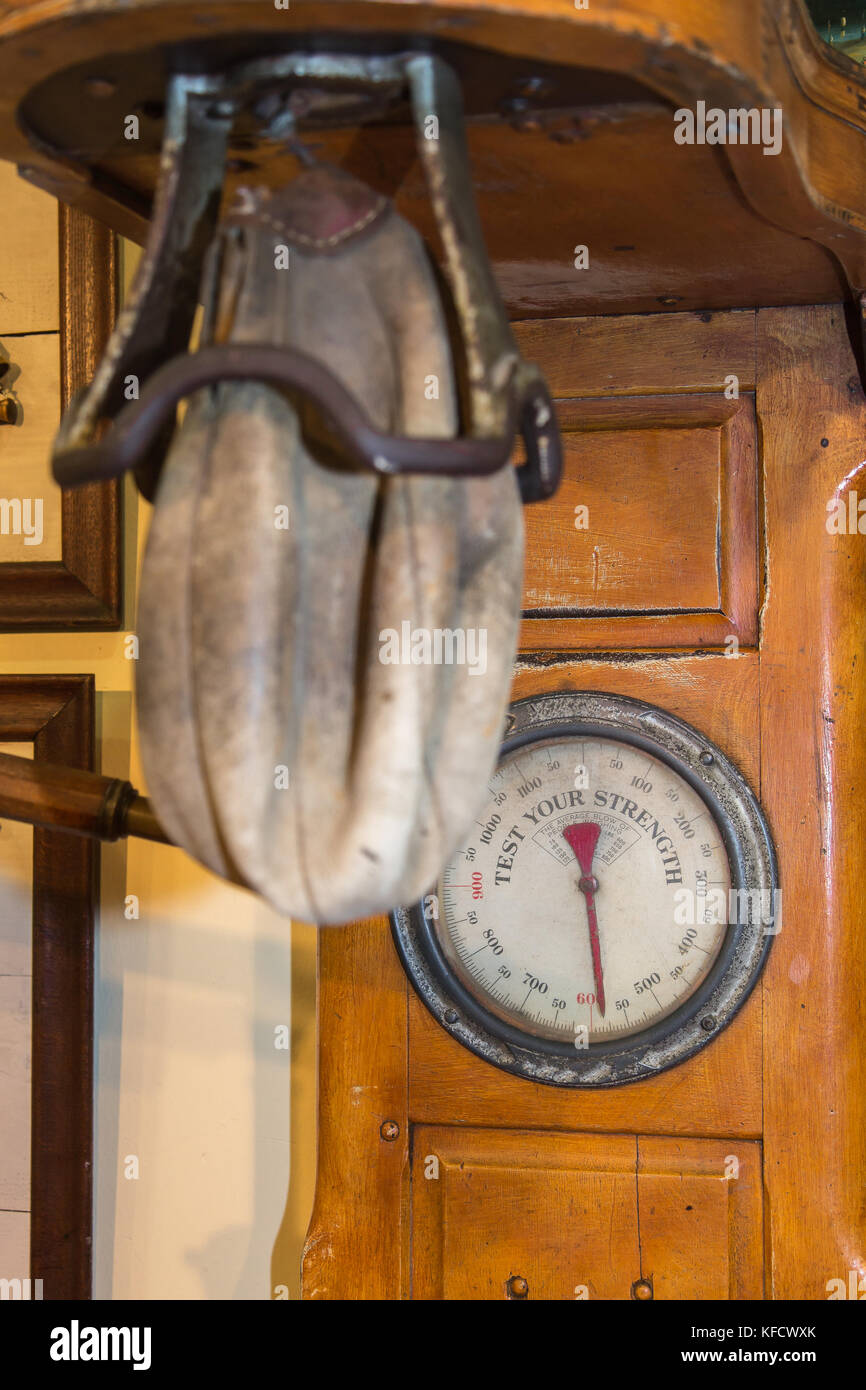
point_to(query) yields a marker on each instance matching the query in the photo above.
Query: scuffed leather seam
(322, 243)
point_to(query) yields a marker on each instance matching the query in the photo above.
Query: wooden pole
(83, 803)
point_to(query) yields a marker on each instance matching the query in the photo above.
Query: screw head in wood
(389, 1130)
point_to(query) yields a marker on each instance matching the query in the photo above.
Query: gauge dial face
(591, 900)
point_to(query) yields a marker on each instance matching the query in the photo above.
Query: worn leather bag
(325, 653)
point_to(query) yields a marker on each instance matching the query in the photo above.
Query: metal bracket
(506, 393)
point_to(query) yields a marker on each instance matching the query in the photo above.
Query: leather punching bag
(326, 654)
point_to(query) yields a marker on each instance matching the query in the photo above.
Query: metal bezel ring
(752, 859)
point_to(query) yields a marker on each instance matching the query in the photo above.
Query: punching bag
(325, 653)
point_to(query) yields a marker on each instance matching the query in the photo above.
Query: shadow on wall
(202, 1074)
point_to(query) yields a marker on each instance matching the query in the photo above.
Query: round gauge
(613, 905)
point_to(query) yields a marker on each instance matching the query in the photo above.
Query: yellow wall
(188, 997)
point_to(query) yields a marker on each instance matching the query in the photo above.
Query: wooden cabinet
(575, 1216)
(489, 1208)
(686, 561)
(707, 583)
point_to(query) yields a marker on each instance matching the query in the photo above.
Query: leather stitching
(319, 243)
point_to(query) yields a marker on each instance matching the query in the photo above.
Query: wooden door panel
(558, 1211)
(667, 466)
(647, 475)
(583, 1216)
(655, 519)
(701, 1228)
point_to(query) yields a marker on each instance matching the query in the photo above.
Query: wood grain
(56, 714)
(584, 1216)
(668, 375)
(813, 712)
(558, 1211)
(356, 1246)
(641, 354)
(701, 1218)
(667, 551)
(648, 249)
(697, 242)
(648, 474)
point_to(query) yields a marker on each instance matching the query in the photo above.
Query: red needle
(583, 838)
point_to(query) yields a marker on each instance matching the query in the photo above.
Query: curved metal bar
(505, 393)
(139, 423)
(158, 314)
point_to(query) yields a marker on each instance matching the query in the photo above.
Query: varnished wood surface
(91, 515)
(577, 1216)
(599, 584)
(642, 354)
(813, 715)
(701, 1218)
(666, 551)
(719, 1090)
(781, 1090)
(729, 55)
(357, 1244)
(56, 715)
(648, 475)
(558, 1211)
(631, 366)
(651, 243)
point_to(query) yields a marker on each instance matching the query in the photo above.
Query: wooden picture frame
(56, 715)
(82, 590)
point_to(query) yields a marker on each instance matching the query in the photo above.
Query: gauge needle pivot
(583, 838)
